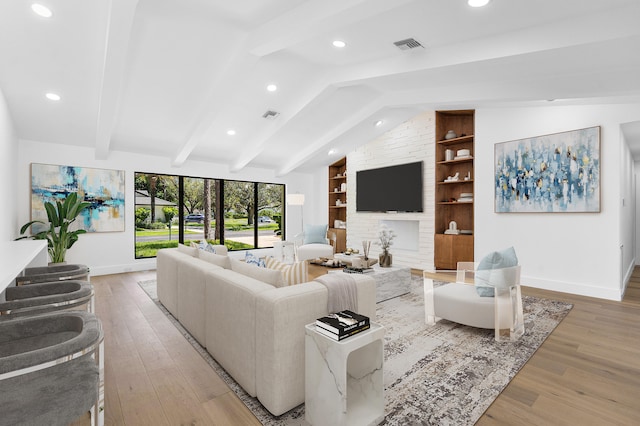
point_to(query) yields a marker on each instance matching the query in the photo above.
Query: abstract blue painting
(104, 189)
(549, 174)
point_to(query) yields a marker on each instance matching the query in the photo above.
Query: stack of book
(342, 324)
(466, 197)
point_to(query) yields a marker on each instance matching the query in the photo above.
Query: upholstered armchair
(484, 295)
(315, 242)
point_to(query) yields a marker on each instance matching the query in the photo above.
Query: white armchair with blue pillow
(315, 242)
(483, 295)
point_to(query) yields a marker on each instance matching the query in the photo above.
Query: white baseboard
(138, 265)
(573, 288)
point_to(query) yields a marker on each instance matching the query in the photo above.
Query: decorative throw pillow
(220, 249)
(294, 273)
(315, 234)
(216, 259)
(188, 250)
(269, 276)
(484, 281)
(204, 246)
(252, 259)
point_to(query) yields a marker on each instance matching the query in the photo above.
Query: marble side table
(343, 380)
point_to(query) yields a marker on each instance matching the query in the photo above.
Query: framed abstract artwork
(103, 188)
(557, 173)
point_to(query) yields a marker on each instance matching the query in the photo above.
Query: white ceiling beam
(121, 17)
(314, 18)
(235, 71)
(315, 94)
(312, 149)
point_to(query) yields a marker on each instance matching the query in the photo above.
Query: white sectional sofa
(253, 329)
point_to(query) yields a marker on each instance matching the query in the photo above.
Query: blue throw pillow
(203, 245)
(496, 260)
(315, 234)
(252, 259)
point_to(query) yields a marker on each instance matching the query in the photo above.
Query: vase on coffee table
(385, 259)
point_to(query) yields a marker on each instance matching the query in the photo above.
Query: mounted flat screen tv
(394, 188)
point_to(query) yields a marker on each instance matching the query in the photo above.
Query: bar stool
(50, 273)
(51, 369)
(47, 297)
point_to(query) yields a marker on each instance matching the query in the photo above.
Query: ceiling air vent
(408, 44)
(270, 115)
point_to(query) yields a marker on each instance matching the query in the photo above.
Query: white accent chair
(458, 300)
(315, 242)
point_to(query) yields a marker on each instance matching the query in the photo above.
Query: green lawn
(162, 232)
(230, 225)
(150, 248)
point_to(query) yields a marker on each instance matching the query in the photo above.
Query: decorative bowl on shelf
(450, 135)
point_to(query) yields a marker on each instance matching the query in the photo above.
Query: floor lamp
(297, 200)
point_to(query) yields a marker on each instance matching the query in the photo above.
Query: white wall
(637, 211)
(413, 140)
(8, 171)
(575, 253)
(627, 214)
(113, 252)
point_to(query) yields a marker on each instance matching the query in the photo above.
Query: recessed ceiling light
(41, 10)
(272, 88)
(478, 3)
(379, 123)
(339, 43)
(332, 151)
(53, 96)
(231, 132)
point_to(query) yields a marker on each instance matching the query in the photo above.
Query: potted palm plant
(60, 216)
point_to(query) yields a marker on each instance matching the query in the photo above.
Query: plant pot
(385, 259)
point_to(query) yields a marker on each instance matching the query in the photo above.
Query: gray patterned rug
(447, 374)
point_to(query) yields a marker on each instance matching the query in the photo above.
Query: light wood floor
(586, 373)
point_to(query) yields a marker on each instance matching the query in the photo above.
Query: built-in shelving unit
(454, 188)
(338, 201)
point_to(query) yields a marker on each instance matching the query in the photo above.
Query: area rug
(446, 374)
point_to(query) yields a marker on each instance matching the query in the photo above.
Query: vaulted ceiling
(172, 77)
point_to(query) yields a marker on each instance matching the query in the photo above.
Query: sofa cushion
(192, 273)
(191, 251)
(293, 273)
(216, 259)
(231, 310)
(269, 276)
(252, 259)
(495, 260)
(315, 234)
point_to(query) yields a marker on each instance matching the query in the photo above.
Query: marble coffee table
(391, 282)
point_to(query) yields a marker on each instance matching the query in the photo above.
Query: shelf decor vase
(385, 259)
(450, 135)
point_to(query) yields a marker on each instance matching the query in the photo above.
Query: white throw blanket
(343, 292)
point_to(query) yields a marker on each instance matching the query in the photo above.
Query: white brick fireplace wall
(411, 141)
